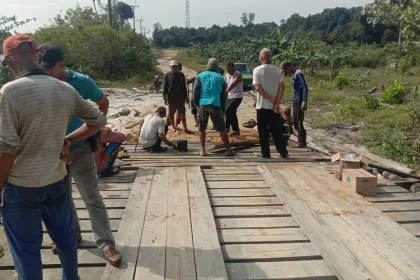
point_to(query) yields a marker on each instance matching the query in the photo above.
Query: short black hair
(230, 63)
(161, 111)
(285, 64)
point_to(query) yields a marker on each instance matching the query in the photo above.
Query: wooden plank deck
(180, 216)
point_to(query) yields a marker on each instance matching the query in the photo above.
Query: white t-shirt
(152, 126)
(268, 76)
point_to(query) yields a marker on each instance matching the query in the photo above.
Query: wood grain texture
(394, 197)
(272, 235)
(109, 203)
(208, 254)
(260, 222)
(250, 211)
(93, 273)
(241, 192)
(236, 178)
(245, 201)
(398, 206)
(131, 226)
(236, 185)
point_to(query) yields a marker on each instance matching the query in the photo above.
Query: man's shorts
(174, 107)
(216, 116)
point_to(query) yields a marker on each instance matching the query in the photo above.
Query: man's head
(179, 66)
(213, 64)
(174, 65)
(161, 111)
(53, 61)
(230, 67)
(265, 55)
(286, 67)
(21, 53)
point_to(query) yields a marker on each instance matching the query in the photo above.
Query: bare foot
(187, 131)
(235, 133)
(203, 153)
(230, 153)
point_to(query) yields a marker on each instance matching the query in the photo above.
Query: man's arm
(9, 137)
(95, 94)
(93, 118)
(164, 139)
(197, 92)
(223, 98)
(280, 93)
(103, 105)
(304, 88)
(165, 88)
(236, 80)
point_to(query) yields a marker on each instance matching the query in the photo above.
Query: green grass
(191, 62)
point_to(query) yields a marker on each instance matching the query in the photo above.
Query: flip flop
(231, 154)
(203, 154)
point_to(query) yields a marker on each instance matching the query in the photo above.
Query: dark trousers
(156, 148)
(298, 117)
(231, 116)
(270, 123)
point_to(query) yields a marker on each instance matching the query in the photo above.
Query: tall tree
(251, 18)
(244, 19)
(124, 11)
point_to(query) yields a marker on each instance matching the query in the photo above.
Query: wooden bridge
(180, 216)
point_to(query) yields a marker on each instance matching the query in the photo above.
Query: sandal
(250, 124)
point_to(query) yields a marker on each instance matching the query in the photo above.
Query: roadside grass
(191, 62)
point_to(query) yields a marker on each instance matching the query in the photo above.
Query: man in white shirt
(269, 83)
(153, 132)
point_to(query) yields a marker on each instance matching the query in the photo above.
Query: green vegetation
(394, 94)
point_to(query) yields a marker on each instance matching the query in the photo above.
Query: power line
(134, 15)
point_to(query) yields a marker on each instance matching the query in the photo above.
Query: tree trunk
(110, 13)
(332, 73)
(399, 37)
(94, 6)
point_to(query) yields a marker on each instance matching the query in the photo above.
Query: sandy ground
(141, 103)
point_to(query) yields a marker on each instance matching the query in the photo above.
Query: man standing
(300, 97)
(35, 110)
(269, 83)
(209, 97)
(235, 93)
(175, 95)
(153, 132)
(83, 168)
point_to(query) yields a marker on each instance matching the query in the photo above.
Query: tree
(251, 18)
(7, 24)
(124, 11)
(244, 19)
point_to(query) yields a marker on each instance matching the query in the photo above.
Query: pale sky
(172, 12)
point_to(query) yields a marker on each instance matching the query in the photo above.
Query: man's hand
(165, 102)
(304, 106)
(65, 152)
(276, 108)
(272, 100)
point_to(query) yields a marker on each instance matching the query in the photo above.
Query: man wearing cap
(35, 110)
(175, 95)
(209, 97)
(269, 83)
(83, 168)
(300, 97)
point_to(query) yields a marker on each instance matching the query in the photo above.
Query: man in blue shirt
(83, 168)
(209, 97)
(300, 98)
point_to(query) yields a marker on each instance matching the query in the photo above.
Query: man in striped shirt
(35, 110)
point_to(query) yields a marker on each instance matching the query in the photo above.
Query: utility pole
(142, 29)
(110, 13)
(134, 16)
(187, 14)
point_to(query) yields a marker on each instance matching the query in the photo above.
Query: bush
(341, 80)
(394, 94)
(372, 102)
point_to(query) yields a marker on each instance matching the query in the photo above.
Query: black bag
(95, 140)
(182, 145)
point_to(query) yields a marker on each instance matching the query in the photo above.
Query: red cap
(19, 44)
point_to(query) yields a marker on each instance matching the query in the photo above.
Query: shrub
(372, 102)
(341, 80)
(394, 94)
(404, 66)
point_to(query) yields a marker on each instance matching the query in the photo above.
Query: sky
(172, 12)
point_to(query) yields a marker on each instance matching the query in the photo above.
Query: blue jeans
(23, 211)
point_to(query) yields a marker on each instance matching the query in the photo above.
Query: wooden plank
(313, 269)
(412, 228)
(324, 227)
(255, 177)
(112, 214)
(85, 257)
(130, 230)
(115, 187)
(207, 251)
(86, 227)
(394, 197)
(245, 201)
(267, 235)
(88, 241)
(266, 252)
(398, 206)
(253, 211)
(117, 179)
(261, 222)
(236, 171)
(179, 252)
(236, 185)
(399, 248)
(151, 257)
(405, 217)
(109, 203)
(92, 272)
(241, 192)
(106, 194)
(390, 189)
